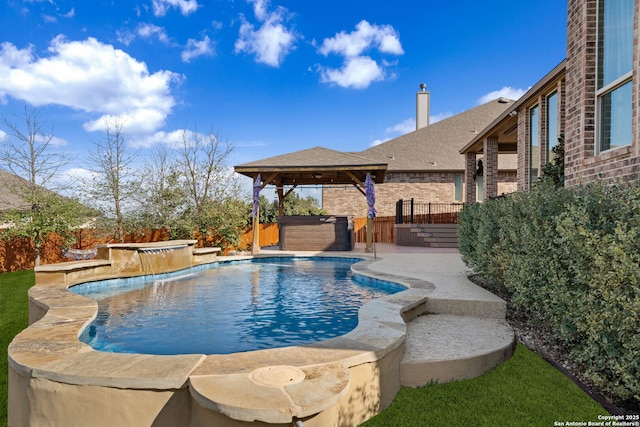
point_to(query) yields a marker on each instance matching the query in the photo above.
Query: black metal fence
(410, 212)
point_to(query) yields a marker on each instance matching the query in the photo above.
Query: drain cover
(277, 376)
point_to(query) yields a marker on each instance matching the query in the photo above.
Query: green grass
(14, 317)
(524, 391)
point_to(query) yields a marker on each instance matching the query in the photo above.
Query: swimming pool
(230, 307)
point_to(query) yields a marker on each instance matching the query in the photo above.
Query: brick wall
(523, 151)
(582, 163)
(435, 187)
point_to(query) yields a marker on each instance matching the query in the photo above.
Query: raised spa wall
(54, 379)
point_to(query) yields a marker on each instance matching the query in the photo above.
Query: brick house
(591, 97)
(426, 165)
(530, 127)
(603, 91)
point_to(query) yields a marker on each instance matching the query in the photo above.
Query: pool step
(444, 347)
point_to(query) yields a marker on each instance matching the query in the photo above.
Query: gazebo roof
(316, 165)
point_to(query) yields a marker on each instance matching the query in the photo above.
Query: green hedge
(569, 260)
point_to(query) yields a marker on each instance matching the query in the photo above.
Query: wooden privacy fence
(18, 254)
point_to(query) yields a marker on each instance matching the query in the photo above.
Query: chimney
(422, 107)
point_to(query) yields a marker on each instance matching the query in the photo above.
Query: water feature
(156, 260)
(235, 307)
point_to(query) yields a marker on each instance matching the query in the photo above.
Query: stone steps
(436, 235)
(445, 347)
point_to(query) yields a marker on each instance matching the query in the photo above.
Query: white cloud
(160, 7)
(440, 116)
(3, 135)
(150, 30)
(58, 142)
(379, 141)
(125, 37)
(145, 31)
(506, 92)
(75, 175)
(359, 71)
(89, 76)
(197, 48)
(272, 41)
(366, 36)
(171, 139)
(139, 120)
(260, 8)
(405, 126)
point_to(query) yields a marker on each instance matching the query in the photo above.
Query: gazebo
(313, 166)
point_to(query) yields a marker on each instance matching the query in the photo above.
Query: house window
(614, 71)
(552, 124)
(457, 196)
(534, 143)
(480, 188)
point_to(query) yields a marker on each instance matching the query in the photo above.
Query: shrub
(568, 260)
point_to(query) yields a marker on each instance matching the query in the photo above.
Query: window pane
(458, 188)
(552, 123)
(534, 143)
(615, 40)
(615, 118)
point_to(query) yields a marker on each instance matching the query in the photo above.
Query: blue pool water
(231, 307)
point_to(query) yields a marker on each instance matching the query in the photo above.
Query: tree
(114, 180)
(162, 197)
(553, 171)
(28, 152)
(293, 204)
(210, 190)
(202, 161)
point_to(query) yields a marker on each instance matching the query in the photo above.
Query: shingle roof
(311, 157)
(316, 165)
(436, 147)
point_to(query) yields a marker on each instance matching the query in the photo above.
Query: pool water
(231, 307)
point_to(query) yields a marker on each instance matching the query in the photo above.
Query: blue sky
(271, 77)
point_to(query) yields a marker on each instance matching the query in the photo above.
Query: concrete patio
(463, 332)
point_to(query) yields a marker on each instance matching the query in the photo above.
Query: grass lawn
(524, 391)
(14, 317)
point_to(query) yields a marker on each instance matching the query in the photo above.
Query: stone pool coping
(50, 349)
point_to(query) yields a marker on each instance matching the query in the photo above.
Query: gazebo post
(255, 246)
(257, 186)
